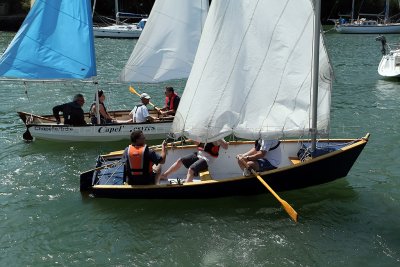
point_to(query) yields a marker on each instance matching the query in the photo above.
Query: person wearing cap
(72, 112)
(171, 102)
(140, 113)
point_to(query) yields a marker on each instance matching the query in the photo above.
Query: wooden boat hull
(46, 128)
(320, 170)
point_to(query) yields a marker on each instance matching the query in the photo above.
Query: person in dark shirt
(72, 112)
(142, 164)
(171, 102)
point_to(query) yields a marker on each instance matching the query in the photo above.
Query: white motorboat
(390, 63)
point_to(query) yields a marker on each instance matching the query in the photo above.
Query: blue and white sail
(252, 75)
(168, 44)
(54, 42)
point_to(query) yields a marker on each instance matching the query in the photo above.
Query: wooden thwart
(205, 176)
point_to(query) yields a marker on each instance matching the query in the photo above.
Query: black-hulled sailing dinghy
(225, 177)
(263, 75)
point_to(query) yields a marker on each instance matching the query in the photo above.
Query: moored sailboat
(363, 25)
(264, 74)
(118, 29)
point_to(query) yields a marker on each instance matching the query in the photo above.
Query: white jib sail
(252, 75)
(168, 44)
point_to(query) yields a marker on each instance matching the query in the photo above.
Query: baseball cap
(144, 95)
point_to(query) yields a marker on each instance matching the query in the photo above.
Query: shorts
(194, 163)
(265, 165)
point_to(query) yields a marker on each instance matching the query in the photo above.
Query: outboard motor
(383, 42)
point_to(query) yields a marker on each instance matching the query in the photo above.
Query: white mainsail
(168, 44)
(252, 75)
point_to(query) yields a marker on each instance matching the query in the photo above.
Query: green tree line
(331, 9)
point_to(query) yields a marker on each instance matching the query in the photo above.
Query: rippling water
(351, 222)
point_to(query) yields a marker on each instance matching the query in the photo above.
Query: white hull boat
(117, 31)
(389, 66)
(120, 30)
(373, 28)
(365, 26)
(46, 128)
(42, 57)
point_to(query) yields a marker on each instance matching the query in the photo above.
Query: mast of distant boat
(386, 12)
(317, 31)
(116, 11)
(93, 8)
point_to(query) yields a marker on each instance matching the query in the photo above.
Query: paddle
(133, 91)
(292, 213)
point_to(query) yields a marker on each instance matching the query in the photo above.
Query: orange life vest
(139, 162)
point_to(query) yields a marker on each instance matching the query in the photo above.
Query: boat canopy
(252, 75)
(54, 42)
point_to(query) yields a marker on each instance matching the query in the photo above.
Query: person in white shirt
(140, 113)
(264, 156)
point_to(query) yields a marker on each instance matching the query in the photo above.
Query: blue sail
(54, 42)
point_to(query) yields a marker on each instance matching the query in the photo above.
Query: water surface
(350, 222)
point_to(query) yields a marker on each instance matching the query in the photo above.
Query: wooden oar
(292, 213)
(133, 91)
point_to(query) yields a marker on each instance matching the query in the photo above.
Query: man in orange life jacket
(198, 161)
(171, 102)
(142, 164)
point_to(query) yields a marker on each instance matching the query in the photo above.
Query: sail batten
(167, 46)
(54, 42)
(252, 73)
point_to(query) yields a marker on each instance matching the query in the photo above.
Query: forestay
(167, 46)
(252, 75)
(54, 42)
